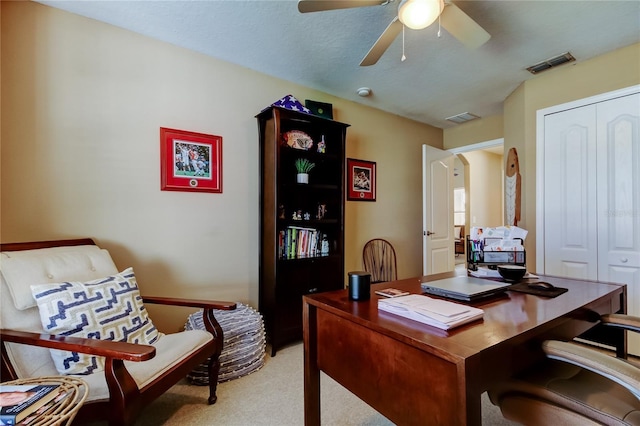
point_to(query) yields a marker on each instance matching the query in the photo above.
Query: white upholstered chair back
(18, 310)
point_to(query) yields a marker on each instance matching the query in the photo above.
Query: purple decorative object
(289, 102)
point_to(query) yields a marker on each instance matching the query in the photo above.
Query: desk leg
(311, 371)
(471, 390)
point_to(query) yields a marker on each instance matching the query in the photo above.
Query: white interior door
(619, 199)
(437, 211)
(570, 240)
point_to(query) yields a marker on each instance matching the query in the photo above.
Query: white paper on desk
(478, 233)
(435, 312)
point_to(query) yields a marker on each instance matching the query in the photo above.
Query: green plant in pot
(303, 166)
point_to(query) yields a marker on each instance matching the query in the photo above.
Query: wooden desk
(416, 374)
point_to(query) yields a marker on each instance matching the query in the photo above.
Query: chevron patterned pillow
(109, 308)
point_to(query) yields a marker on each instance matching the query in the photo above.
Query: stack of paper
(435, 312)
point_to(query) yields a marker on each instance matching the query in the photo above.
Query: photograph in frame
(190, 161)
(361, 180)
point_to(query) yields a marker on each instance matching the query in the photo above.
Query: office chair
(575, 385)
(379, 259)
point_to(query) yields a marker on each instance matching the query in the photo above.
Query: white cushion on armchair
(21, 269)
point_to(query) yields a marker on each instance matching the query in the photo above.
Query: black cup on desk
(359, 285)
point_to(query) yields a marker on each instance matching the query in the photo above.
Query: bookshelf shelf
(295, 218)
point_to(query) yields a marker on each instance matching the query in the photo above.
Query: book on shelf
(435, 312)
(17, 402)
(297, 241)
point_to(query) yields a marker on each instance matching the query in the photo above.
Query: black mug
(359, 285)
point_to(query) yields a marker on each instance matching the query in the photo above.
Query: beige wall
(82, 103)
(613, 71)
(484, 171)
(475, 131)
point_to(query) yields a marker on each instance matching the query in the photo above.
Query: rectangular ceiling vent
(462, 118)
(551, 63)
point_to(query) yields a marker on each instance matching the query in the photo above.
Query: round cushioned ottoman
(244, 343)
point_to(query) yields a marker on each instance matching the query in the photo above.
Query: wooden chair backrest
(379, 259)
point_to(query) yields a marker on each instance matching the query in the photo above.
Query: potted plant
(303, 166)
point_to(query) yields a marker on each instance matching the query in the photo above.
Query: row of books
(295, 241)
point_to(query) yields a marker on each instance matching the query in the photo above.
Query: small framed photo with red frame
(190, 161)
(361, 180)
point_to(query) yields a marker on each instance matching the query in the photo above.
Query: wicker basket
(244, 343)
(64, 409)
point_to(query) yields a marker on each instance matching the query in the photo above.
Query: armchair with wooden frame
(576, 385)
(134, 374)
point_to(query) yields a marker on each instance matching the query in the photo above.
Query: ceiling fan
(414, 14)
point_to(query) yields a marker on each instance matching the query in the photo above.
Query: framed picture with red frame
(361, 180)
(190, 161)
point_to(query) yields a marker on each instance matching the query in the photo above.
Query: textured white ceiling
(322, 50)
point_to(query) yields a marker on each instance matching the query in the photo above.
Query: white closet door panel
(570, 194)
(619, 182)
(619, 198)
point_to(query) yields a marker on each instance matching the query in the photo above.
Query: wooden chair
(379, 259)
(459, 239)
(133, 376)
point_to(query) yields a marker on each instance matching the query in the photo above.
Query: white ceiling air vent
(462, 118)
(551, 63)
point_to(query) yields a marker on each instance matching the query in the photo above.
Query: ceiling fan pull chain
(439, 24)
(403, 57)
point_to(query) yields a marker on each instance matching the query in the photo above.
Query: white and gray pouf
(244, 343)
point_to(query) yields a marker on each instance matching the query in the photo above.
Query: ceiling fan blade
(305, 6)
(383, 42)
(462, 27)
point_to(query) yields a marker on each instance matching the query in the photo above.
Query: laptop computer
(468, 289)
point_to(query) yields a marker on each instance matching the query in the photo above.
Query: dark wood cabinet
(301, 224)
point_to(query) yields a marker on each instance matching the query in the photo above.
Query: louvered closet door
(570, 237)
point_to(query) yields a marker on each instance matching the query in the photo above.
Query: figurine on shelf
(324, 247)
(322, 146)
(322, 211)
(299, 215)
(307, 216)
(281, 211)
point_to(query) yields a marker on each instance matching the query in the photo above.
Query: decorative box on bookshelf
(301, 224)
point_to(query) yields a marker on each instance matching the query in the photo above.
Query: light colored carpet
(271, 396)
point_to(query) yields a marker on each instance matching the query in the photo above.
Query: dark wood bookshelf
(285, 279)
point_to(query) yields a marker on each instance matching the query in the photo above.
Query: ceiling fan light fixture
(419, 14)
(364, 92)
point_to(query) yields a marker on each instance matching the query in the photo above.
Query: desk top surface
(510, 316)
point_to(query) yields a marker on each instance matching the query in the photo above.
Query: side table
(63, 411)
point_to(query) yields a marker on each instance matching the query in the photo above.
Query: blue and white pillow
(109, 308)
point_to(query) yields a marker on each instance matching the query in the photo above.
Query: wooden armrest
(205, 304)
(106, 348)
(616, 369)
(628, 322)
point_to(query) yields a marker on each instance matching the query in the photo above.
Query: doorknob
(430, 233)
